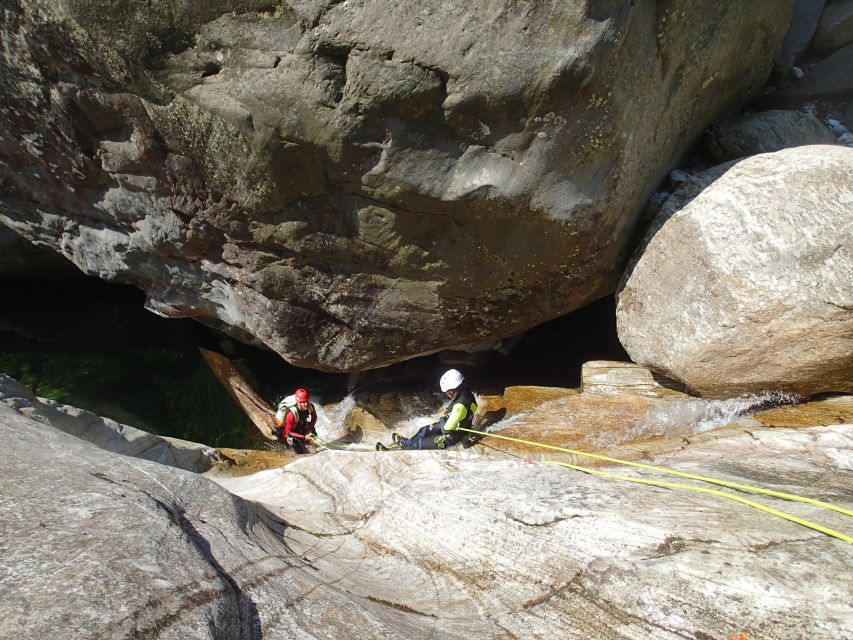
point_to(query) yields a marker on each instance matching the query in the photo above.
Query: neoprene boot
(382, 447)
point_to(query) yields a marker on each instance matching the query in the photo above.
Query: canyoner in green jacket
(446, 432)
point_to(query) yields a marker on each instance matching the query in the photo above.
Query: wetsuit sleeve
(457, 415)
(289, 423)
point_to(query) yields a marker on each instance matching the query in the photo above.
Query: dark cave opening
(92, 344)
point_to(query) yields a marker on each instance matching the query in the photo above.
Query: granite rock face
(835, 29)
(746, 288)
(765, 132)
(803, 26)
(97, 544)
(419, 544)
(357, 183)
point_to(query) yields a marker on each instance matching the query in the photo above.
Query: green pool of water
(95, 347)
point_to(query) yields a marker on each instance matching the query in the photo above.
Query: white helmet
(451, 379)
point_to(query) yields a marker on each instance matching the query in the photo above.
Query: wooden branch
(260, 413)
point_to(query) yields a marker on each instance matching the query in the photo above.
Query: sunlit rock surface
(422, 544)
(622, 410)
(479, 547)
(824, 411)
(608, 409)
(748, 287)
(357, 183)
(97, 544)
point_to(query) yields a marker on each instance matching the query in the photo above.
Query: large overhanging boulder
(357, 183)
(748, 286)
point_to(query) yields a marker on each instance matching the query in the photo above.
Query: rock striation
(356, 183)
(746, 288)
(415, 544)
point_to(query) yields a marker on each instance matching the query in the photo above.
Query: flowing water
(695, 415)
(691, 416)
(599, 422)
(331, 422)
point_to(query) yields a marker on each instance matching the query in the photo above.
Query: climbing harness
(692, 476)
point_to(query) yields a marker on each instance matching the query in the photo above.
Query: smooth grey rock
(106, 433)
(829, 81)
(97, 544)
(747, 288)
(835, 29)
(803, 25)
(356, 183)
(764, 132)
(500, 547)
(409, 545)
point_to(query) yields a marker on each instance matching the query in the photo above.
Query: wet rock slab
(485, 547)
(414, 544)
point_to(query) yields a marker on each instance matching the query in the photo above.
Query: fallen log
(256, 408)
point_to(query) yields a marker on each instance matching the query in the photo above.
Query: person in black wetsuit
(444, 433)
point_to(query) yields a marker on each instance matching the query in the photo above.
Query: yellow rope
(675, 485)
(683, 474)
(722, 494)
(672, 472)
(336, 447)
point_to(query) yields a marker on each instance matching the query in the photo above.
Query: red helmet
(301, 395)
